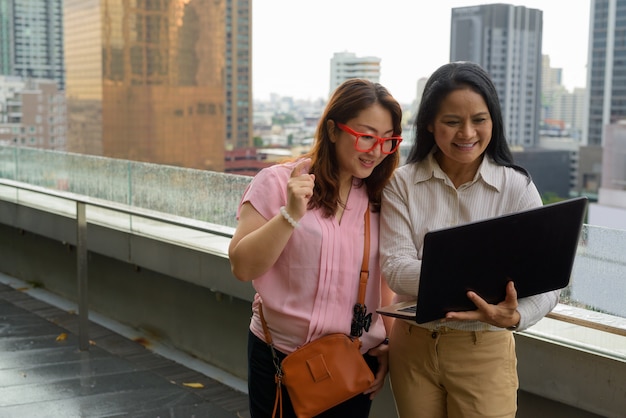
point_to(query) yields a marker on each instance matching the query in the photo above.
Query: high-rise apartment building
(606, 74)
(167, 82)
(32, 113)
(550, 77)
(610, 209)
(31, 39)
(561, 109)
(506, 41)
(606, 122)
(551, 88)
(570, 108)
(238, 73)
(346, 65)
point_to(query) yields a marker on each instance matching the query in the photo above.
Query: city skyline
(291, 57)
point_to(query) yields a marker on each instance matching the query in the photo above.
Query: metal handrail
(81, 238)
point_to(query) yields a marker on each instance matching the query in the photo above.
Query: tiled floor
(44, 375)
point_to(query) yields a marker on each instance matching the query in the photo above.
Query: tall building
(551, 88)
(238, 72)
(31, 39)
(562, 111)
(610, 210)
(346, 65)
(506, 41)
(550, 77)
(606, 74)
(32, 113)
(571, 109)
(166, 82)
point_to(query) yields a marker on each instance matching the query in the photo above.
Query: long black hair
(446, 79)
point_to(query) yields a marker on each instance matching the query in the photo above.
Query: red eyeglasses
(367, 142)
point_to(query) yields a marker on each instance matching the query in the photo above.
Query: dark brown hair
(346, 102)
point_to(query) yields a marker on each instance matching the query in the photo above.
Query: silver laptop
(535, 248)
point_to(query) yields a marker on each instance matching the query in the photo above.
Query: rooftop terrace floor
(43, 374)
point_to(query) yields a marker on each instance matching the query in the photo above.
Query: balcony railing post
(81, 274)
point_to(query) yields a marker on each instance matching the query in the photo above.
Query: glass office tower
(606, 75)
(150, 80)
(506, 41)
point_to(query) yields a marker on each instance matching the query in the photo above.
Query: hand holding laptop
(503, 315)
(534, 248)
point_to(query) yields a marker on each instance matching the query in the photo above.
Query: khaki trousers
(450, 373)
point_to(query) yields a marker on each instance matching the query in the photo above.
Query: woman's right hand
(502, 315)
(382, 354)
(258, 242)
(300, 189)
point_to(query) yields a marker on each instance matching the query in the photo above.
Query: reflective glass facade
(607, 67)
(149, 80)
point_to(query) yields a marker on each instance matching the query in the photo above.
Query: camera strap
(361, 320)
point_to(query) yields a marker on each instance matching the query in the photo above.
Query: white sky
(293, 41)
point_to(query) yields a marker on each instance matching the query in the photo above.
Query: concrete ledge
(575, 377)
(209, 269)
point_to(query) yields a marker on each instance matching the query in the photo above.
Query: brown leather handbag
(330, 370)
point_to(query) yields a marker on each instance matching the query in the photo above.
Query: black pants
(262, 386)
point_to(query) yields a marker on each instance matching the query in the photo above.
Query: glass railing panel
(99, 177)
(599, 272)
(8, 162)
(196, 194)
(591, 314)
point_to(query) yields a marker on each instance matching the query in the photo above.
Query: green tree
(550, 197)
(283, 119)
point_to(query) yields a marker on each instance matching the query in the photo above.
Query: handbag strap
(362, 278)
(278, 399)
(365, 274)
(266, 331)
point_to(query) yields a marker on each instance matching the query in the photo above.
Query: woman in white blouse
(459, 170)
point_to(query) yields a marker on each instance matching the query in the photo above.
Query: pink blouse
(312, 288)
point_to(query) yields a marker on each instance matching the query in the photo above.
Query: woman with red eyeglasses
(300, 240)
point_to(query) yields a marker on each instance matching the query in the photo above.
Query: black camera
(361, 320)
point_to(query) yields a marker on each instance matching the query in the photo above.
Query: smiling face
(462, 130)
(375, 120)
